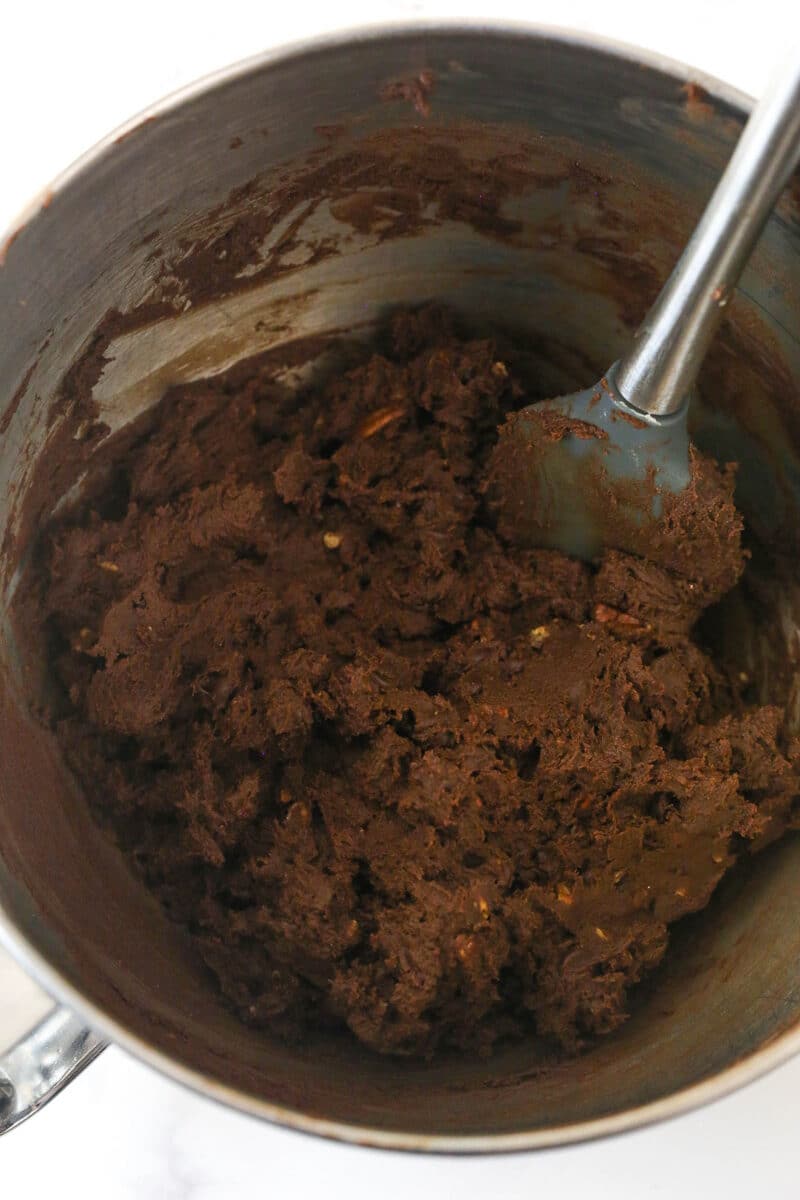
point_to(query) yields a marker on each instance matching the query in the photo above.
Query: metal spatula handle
(671, 342)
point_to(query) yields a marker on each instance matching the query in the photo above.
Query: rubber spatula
(588, 470)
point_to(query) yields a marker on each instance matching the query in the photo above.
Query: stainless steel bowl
(608, 158)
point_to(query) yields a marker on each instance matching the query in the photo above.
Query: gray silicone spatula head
(587, 471)
(592, 469)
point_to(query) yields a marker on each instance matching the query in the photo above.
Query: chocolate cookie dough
(389, 770)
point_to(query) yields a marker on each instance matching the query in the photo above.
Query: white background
(69, 73)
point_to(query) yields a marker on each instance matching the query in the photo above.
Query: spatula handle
(657, 374)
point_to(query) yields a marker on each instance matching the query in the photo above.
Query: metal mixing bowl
(614, 158)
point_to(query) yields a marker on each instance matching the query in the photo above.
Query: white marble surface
(70, 73)
(122, 1133)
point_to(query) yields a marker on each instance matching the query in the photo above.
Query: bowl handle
(42, 1062)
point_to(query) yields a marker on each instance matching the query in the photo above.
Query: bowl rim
(746, 1070)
